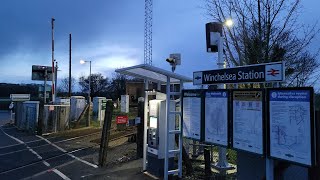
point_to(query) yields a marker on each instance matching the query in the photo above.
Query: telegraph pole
(44, 86)
(53, 69)
(70, 65)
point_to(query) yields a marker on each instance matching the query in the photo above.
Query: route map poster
(216, 117)
(191, 113)
(290, 125)
(248, 120)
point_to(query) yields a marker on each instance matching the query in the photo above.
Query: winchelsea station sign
(256, 73)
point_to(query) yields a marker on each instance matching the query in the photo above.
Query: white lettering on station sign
(246, 74)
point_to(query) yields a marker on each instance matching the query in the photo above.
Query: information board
(247, 120)
(290, 121)
(216, 117)
(191, 114)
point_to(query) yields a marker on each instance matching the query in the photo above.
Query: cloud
(116, 61)
(105, 58)
(16, 67)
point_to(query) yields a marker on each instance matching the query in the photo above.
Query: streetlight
(228, 23)
(215, 41)
(89, 98)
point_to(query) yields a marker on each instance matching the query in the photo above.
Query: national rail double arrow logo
(273, 72)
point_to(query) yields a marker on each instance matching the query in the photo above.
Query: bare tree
(63, 85)
(118, 84)
(99, 84)
(267, 31)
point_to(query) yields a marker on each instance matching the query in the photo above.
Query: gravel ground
(120, 150)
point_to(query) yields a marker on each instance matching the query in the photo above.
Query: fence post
(207, 163)
(40, 119)
(140, 129)
(194, 149)
(105, 134)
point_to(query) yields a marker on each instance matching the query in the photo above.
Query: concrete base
(232, 170)
(221, 168)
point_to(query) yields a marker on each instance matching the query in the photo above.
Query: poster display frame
(201, 93)
(263, 121)
(228, 117)
(312, 124)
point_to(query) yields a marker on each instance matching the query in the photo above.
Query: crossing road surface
(27, 156)
(4, 117)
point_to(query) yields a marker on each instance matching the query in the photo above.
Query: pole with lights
(89, 92)
(215, 41)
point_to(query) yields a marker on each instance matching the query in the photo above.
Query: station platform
(131, 170)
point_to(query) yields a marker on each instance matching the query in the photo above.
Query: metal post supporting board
(269, 162)
(166, 148)
(222, 162)
(146, 85)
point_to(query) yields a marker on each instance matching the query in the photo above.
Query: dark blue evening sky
(110, 33)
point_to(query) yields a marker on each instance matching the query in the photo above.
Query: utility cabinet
(77, 105)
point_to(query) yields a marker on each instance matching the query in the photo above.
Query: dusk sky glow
(109, 33)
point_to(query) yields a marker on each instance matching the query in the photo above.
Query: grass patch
(133, 113)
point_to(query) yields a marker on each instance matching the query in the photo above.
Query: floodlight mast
(148, 32)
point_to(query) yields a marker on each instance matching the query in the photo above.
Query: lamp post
(223, 162)
(89, 98)
(215, 41)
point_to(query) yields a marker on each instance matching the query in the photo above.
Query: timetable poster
(191, 113)
(216, 117)
(248, 120)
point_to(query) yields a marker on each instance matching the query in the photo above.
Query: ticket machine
(156, 134)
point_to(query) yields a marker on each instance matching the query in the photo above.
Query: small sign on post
(137, 120)
(103, 104)
(20, 97)
(121, 122)
(51, 108)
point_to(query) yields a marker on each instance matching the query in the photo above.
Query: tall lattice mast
(148, 32)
